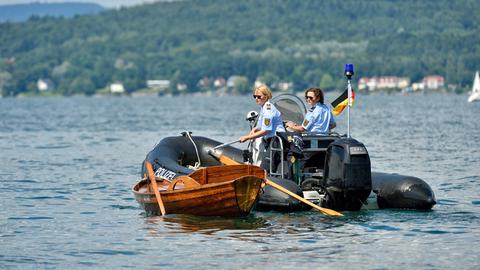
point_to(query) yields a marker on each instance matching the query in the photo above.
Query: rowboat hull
(230, 198)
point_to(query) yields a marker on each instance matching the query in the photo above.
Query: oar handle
(225, 144)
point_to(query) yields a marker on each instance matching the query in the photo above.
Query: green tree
(327, 82)
(81, 85)
(269, 78)
(240, 85)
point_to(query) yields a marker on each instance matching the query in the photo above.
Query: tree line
(305, 42)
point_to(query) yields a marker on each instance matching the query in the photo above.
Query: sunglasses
(309, 97)
(257, 96)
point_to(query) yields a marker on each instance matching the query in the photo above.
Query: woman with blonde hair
(269, 122)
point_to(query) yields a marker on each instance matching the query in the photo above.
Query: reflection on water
(205, 225)
(255, 226)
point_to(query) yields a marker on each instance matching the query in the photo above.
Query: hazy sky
(105, 3)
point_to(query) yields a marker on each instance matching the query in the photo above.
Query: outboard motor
(347, 175)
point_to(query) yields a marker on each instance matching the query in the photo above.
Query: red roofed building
(433, 82)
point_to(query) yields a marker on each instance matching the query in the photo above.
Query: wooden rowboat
(212, 191)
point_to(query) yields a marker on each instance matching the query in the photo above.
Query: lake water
(67, 166)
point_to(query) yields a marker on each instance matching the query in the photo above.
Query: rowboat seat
(185, 181)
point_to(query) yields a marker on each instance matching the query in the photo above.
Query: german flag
(341, 102)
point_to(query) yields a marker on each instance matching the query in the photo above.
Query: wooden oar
(149, 167)
(228, 161)
(225, 144)
(325, 211)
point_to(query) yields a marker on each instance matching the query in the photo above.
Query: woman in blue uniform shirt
(319, 118)
(269, 120)
(268, 125)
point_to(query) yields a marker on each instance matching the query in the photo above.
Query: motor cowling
(347, 175)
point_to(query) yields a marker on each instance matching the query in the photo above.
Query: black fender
(402, 191)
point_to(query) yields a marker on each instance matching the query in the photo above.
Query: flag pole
(349, 73)
(348, 107)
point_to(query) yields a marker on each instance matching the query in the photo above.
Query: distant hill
(305, 42)
(21, 12)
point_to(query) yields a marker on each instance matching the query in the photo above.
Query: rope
(197, 164)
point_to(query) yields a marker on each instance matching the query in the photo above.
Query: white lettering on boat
(164, 173)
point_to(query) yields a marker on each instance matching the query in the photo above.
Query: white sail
(475, 96)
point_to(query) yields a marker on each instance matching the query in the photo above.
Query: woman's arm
(253, 135)
(293, 126)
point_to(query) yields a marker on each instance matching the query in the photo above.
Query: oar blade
(323, 210)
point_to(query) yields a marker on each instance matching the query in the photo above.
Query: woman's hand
(243, 139)
(253, 135)
(290, 124)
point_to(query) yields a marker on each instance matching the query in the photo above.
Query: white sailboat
(475, 96)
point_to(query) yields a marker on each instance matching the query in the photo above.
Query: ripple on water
(471, 179)
(122, 207)
(54, 146)
(382, 227)
(25, 181)
(88, 213)
(43, 198)
(113, 139)
(112, 252)
(451, 186)
(30, 218)
(433, 231)
(447, 202)
(80, 160)
(101, 187)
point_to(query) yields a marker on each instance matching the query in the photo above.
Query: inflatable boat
(336, 175)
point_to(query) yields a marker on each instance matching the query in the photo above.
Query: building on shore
(116, 88)
(383, 83)
(430, 82)
(45, 85)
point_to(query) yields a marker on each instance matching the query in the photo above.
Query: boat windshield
(291, 107)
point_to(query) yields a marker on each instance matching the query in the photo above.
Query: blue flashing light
(349, 70)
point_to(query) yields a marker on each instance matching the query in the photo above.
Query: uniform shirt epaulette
(268, 106)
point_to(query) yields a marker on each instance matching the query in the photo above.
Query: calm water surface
(67, 166)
